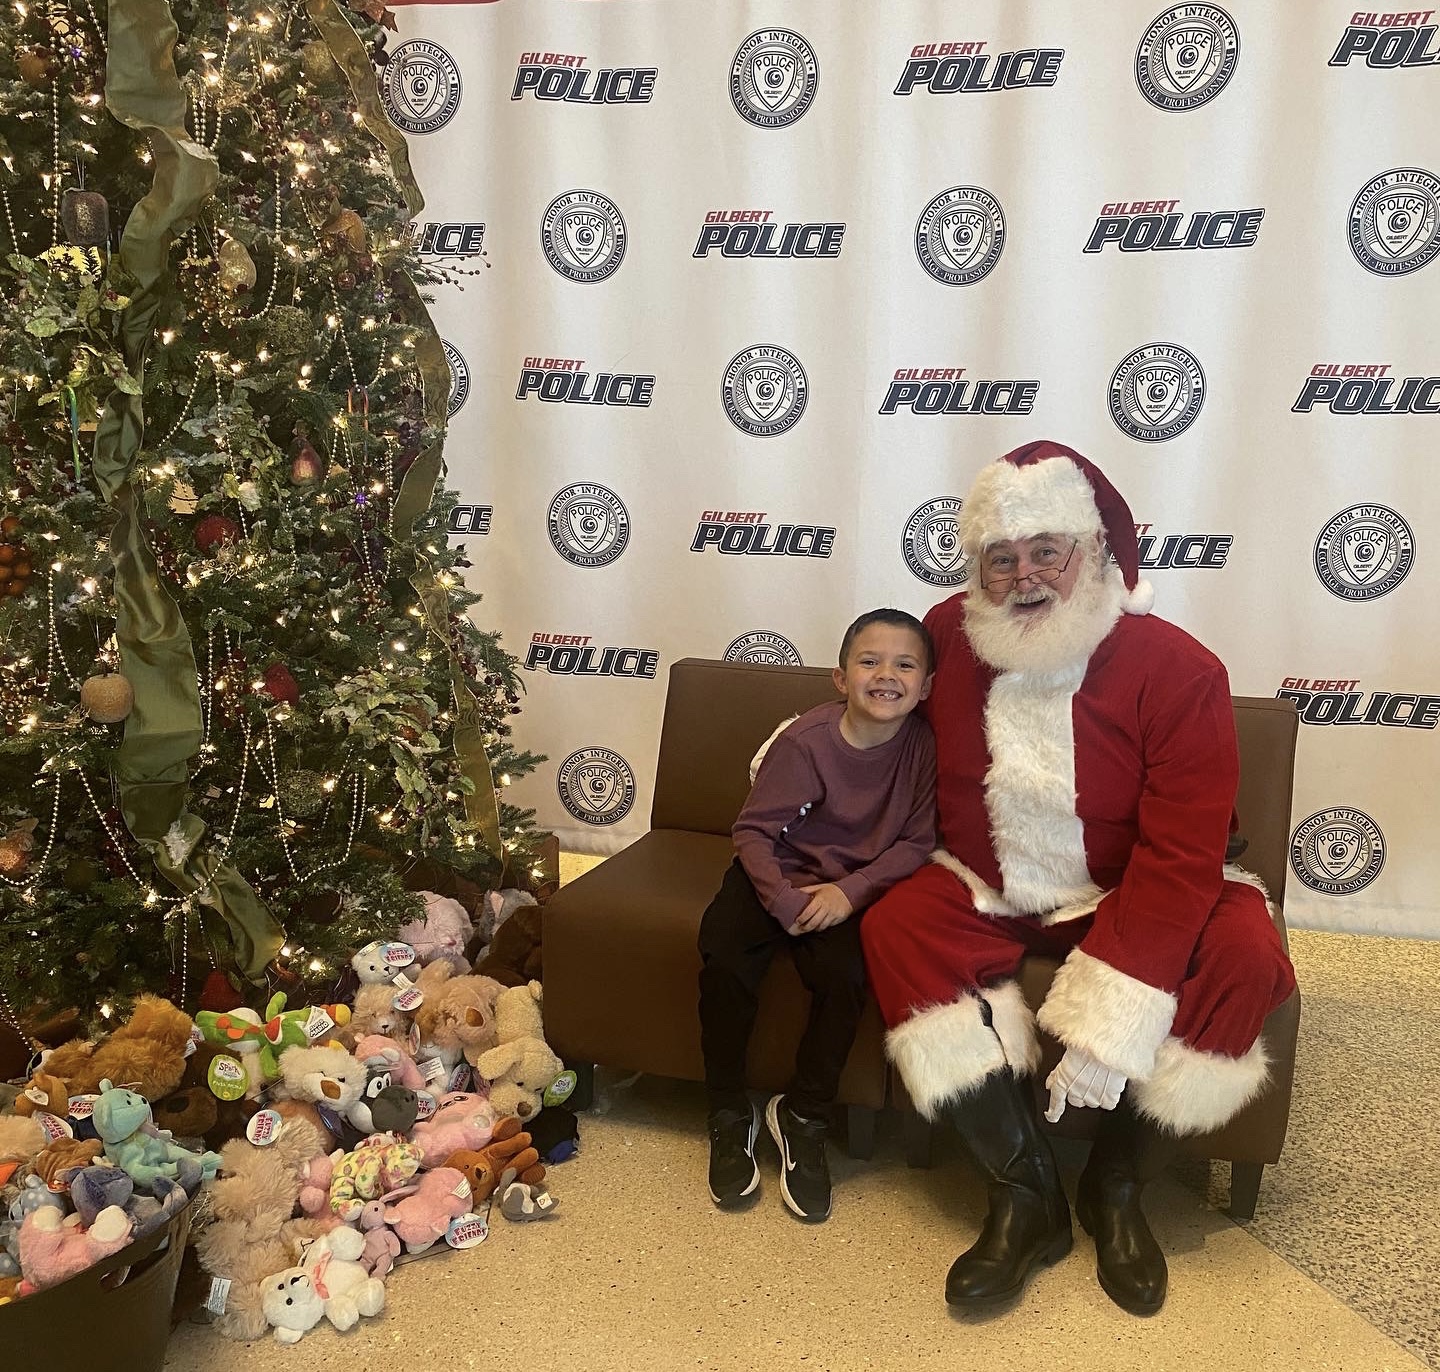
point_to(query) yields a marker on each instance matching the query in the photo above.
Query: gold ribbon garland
(417, 490)
(163, 731)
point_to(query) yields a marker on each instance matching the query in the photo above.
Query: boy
(842, 808)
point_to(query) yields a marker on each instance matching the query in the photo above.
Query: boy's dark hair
(901, 620)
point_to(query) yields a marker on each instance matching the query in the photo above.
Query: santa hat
(1047, 488)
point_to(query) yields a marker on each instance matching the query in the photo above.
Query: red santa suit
(1084, 813)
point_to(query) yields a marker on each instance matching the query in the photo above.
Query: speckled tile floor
(638, 1270)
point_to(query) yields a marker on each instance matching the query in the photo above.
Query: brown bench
(620, 956)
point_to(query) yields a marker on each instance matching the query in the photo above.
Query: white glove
(1079, 1080)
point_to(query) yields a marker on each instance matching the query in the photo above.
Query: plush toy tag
(54, 1126)
(37, 1095)
(194, 1041)
(401, 982)
(219, 1291)
(318, 1024)
(466, 1231)
(434, 1070)
(460, 1078)
(264, 1128)
(413, 1040)
(462, 1189)
(424, 1105)
(226, 1078)
(410, 997)
(397, 954)
(81, 1107)
(560, 1090)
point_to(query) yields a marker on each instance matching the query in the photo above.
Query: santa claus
(1087, 777)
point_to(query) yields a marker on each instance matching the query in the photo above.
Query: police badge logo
(1187, 56)
(960, 235)
(583, 235)
(459, 376)
(763, 648)
(930, 544)
(1364, 552)
(420, 87)
(596, 785)
(773, 78)
(1337, 851)
(588, 524)
(1156, 392)
(1394, 224)
(764, 390)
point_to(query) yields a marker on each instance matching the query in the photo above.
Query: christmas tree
(240, 695)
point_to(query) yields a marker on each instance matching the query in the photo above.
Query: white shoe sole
(755, 1178)
(772, 1123)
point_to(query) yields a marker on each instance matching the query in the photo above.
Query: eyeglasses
(997, 570)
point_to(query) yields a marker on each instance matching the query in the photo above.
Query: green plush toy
(120, 1118)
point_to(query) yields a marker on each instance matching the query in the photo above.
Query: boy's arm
(914, 844)
(785, 784)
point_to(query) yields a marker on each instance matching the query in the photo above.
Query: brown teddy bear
(507, 1157)
(514, 954)
(145, 1054)
(193, 1111)
(45, 1093)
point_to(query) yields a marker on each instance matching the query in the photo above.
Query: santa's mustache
(1030, 595)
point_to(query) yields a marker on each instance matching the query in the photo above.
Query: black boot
(1128, 1152)
(1029, 1222)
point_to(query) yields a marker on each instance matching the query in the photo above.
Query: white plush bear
(329, 1283)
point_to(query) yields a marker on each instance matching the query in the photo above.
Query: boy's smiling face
(886, 674)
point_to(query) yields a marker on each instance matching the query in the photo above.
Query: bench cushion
(622, 969)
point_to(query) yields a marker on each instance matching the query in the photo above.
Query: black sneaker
(733, 1173)
(804, 1173)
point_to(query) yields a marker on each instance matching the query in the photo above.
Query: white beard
(1063, 636)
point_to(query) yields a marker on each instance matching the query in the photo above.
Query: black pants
(738, 938)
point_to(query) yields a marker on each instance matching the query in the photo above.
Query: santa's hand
(1080, 1080)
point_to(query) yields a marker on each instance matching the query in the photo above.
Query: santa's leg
(1210, 1066)
(963, 1041)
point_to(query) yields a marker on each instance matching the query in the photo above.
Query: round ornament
(86, 217)
(214, 530)
(302, 793)
(280, 685)
(317, 63)
(348, 229)
(107, 698)
(289, 330)
(15, 850)
(81, 874)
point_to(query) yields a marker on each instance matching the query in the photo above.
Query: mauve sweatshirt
(822, 810)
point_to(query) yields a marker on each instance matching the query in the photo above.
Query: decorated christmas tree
(241, 700)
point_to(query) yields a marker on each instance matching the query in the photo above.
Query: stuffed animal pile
(350, 1137)
(86, 1170)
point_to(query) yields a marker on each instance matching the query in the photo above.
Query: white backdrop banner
(744, 294)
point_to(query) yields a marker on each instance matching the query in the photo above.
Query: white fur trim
(1233, 873)
(1116, 1018)
(1194, 1092)
(1008, 501)
(1030, 791)
(1141, 600)
(765, 747)
(986, 899)
(944, 1052)
(1014, 1022)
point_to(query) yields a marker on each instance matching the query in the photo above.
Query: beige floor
(638, 1270)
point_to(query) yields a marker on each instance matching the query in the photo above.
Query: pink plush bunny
(54, 1248)
(423, 1213)
(463, 1120)
(382, 1245)
(441, 935)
